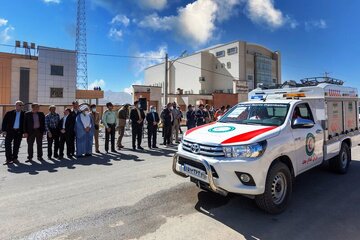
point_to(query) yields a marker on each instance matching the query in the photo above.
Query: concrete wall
(187, 77)
(155, 75)
(65, 58)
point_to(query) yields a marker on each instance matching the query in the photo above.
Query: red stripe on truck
(196, 128)
(247, 136)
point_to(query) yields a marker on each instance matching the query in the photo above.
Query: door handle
(318, 131)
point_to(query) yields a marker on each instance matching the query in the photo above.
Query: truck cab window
(302, 111)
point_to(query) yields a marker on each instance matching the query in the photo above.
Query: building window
(228, 65)
(263, 71)
(57, 70)
(232, 51)
(220, 53)
(222, 65)
(56, 92)
(250, 77)
(216, 66)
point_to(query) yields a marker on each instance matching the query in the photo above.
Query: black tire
(340, 163)
(278, 189)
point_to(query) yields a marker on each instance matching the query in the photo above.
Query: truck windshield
(268, 114)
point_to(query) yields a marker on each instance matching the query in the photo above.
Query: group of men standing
(80, 126)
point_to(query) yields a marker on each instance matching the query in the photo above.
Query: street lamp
(166, 73)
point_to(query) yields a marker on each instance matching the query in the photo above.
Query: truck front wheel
(278, 189)
(340, 163)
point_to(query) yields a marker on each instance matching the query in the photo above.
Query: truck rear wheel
(340, 163)
(278, 189)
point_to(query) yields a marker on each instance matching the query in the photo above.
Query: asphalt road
(135, 195)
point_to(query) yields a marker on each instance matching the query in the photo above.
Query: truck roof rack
(314, 81)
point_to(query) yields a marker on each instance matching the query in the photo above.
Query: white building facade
(56, 76)
(232, 68)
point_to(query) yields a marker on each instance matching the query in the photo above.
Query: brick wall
(223, 99)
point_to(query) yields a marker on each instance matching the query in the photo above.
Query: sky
(313, 36)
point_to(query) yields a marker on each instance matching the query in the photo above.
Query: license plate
(194, 172)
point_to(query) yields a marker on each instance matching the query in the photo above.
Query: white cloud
(315, 24)
(5, 34)
(292, 23)
(115, 34)
(3, 22)
(155, 22)
(227, 8)
(196, 22)
(264, 12)
(52, 1)
(120, 19)
(152, 4)
(129, 89)
(149, 58)
(97, 83)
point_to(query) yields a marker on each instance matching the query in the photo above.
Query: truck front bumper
(226, 180)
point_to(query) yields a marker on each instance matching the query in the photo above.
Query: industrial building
(219, 75)
(44, 75)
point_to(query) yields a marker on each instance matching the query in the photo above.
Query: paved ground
(134, 195)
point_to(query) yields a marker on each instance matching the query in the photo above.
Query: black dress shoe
(114, 151)
(40, 159)
(7, 162)
(140, 148)
(29, 160)
(15, 161)
(155, 147)
(97, 151)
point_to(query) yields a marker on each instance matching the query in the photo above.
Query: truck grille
(197, 165)
(203, 149)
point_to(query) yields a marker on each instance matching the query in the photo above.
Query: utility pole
(166, 79)
(167, 67)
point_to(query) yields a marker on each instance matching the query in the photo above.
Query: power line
(93, 53)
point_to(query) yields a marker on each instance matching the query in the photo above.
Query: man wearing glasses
(13, 128)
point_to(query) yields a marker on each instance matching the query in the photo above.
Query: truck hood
(230, 133)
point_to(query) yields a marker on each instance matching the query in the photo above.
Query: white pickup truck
(258, 147)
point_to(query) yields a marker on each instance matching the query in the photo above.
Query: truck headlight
(247, 151)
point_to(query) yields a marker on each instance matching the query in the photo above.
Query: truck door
(308, 137)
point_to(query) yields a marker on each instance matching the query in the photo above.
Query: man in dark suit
(66, 129)
(72, 117)
(13, 128)
(200, 115)
(168, 119)
(152, 119)
(137, 117)
(34, 128)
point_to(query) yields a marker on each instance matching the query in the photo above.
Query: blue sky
(313, 36)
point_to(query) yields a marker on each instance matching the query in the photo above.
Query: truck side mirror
(302, 123)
